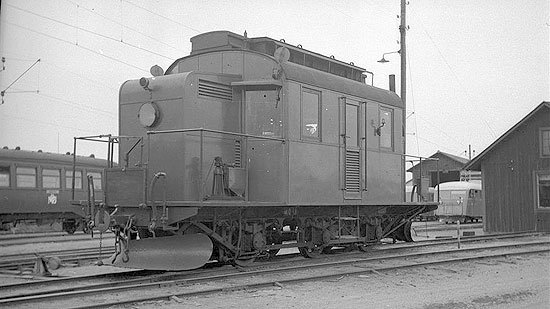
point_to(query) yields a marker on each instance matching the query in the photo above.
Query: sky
(474, 68)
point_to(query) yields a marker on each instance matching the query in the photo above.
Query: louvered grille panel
(238, 154)
(215, 90)
(353, 168)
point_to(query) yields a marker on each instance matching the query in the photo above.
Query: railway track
(100, 291)
(14, 263)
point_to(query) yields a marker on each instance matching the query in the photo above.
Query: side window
(545, 142)
(263, 113)
(25, 177)
(311, 106)
(386, 131)
(97, 179)
(4, 176)
(69, 179)
(543, 183)
(51, 178)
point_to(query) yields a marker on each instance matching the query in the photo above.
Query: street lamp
(383, 60)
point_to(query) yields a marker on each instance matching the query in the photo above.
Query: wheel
(245, 262)
(69, 227)
(311, 253)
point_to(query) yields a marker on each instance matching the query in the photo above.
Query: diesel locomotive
(246, 143)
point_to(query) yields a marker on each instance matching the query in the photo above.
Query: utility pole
(403, 53)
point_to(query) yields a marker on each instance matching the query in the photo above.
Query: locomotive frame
(291, 142)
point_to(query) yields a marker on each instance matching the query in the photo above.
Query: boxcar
(36, 187)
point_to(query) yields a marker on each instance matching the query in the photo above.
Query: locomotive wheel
(245, 262)
(311, 253)
(407, 231)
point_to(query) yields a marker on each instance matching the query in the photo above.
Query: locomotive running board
(171, 253)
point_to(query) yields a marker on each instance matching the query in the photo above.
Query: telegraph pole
(403, 53)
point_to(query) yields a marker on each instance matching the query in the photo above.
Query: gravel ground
(514, 282)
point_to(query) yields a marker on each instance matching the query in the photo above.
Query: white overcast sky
(475, 68)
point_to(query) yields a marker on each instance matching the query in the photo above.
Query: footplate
(171, 253)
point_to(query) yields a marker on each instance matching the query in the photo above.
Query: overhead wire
(491, 131)
(162, 16)
(72, 43)
(125, 26)
(88, 31)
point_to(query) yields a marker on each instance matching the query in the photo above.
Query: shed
(516, 176)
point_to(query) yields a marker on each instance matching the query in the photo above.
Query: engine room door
(353, 177)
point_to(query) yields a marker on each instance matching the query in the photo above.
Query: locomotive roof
(48, 157)
(322, 79)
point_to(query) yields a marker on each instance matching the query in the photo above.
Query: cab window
(311, 103)
(264, 113)
(386, 131)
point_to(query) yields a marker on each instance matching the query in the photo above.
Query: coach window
(97, 179)
(311, 102)
(543, 183)
(4, 176)
(51, 179)
(263, 113)
(77, 179)
(25, 177)
(386, 131)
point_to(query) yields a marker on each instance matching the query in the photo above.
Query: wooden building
(425, 172)
(516, 176)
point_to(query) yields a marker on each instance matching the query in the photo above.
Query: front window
(386, 131)
(25, 177)
(51, 179)
(4, 176)
(264, 113)
(311, 101)
(545, 142)
(543, 183)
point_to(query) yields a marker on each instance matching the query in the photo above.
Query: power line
(71, 43)
(125, 26)
(456, 77)
(89, 31)
(4, 91)
(162, 16)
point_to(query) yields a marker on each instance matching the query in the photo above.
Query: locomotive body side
(239, 142)
(37, 187)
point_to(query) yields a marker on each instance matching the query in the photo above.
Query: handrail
(216, 131)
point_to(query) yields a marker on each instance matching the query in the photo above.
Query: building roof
(475, 164)
(439, 154)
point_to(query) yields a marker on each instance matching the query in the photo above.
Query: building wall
(509, 182)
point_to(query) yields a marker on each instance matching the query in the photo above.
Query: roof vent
(68, 153)
(5, 147)
(17, 148)
(92, 155)
(39, 150)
